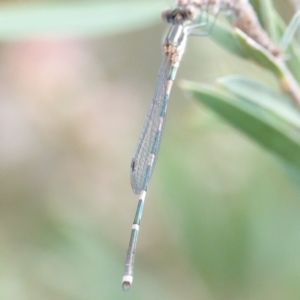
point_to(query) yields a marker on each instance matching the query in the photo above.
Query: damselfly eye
(167, 15)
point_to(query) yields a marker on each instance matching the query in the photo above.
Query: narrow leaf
(261, 95)
(269, 19)
(237, 42)
(256, 121)
(226, 37)
(259, 54)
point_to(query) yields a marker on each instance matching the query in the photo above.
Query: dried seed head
(245, 19)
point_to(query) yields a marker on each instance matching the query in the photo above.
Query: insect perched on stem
(187, 18)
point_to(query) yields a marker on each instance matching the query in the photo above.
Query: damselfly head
(185, 13)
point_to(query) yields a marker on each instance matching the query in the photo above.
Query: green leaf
(269, 18)
(273, 131)
(75, 19)
(259, 54)
(273, 23)
(226, 37)
(288, 43)
(276, 65)
(237, 42)
(261, 95)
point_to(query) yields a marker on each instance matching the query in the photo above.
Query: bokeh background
(221, 217)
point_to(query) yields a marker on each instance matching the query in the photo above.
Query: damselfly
(190, 17)
(184, 20)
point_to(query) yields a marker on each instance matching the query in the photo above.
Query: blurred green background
(221, 219)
